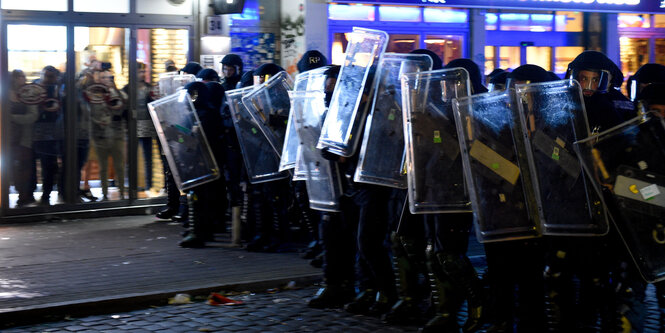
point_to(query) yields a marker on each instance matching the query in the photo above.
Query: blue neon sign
(616, 6)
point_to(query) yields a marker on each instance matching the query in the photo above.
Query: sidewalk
(80, 267)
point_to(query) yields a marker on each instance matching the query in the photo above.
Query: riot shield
(261, 161)
(496, 167)
(291, 143)
(170, 82)
(627, 164)
(324, 186)
(312, 80)
(382, 150)
(183, 140)
(269, 106)
(552, 115)
(342, 128)
(300, 169)
(434, 167)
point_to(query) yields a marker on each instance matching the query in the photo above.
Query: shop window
(660, 50)
(509, 57)
(351, 12)
(489, 59)
(526, 22)
(45, 5)
(659, 21)
(563, 56)
(403, 43)
(31, 47)
(164, 7)
(445, 15)
(338, 48)
(448, 47)
(634, 53)
(399, 13)
(491, 21)
(568, 21)
(634, 21)
(101, 6)
(539, 55)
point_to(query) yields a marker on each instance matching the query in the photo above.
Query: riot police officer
(339, 247)
(201, 199)
(270, 199)
(232, 71)
(645, 75)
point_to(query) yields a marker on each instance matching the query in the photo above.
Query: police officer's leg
(501, 284)
(453, 233)
(529, 258)
(374, 258)
(172, 193)
(338, 267)
(408, 249)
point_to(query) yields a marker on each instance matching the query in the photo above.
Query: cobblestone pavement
(285, 311)
(262, 312)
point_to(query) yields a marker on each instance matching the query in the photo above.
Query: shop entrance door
(77, 130)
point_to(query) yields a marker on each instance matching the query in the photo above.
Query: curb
(128, 302)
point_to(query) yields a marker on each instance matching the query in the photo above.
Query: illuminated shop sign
(640, 6)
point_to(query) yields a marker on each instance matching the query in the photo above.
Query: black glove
(325, 153)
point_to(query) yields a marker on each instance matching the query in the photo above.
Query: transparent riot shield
(433, 162)
(261, 160)
(269, 106)
(183, 140)
(552, 115)
(170, 82)
(324, 186)
(291, 143)
(382, 150)
(627, 164)
(496, 167)
(351, 98)
(312, 80)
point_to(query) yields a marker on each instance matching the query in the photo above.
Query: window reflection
(37, 61)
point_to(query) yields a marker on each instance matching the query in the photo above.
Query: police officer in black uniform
(270, 199)
(232, 71)
(201, 200)
(311, 59)
(607, 281)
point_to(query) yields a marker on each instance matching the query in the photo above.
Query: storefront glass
(564, 55)
(45, 5)
(539, 55)
(402, 43)
(448, 47)
(634, 53)
(37, 59)
(509, 57)
(351, 12)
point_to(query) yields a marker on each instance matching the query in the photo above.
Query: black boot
(332, 296)
(183, 210)
(407, 264)
(362, 303)
(444, 298)
(195, 238)
(465, 279)
(172, 194)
